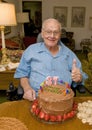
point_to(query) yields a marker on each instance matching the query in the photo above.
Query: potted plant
(87, 67)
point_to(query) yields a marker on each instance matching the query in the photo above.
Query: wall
(79, 33)
(47, 11)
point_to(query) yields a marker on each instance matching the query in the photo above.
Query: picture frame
(78, 17)
(60, 13)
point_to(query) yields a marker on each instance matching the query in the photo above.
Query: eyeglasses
(49, 32)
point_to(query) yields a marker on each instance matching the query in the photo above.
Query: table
(6, 77)
(21, 110)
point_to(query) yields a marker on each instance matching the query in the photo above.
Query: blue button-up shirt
(37, 63)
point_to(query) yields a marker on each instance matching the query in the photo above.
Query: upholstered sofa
(11, 43)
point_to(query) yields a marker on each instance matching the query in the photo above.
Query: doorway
(34, 8)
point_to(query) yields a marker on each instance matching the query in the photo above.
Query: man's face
(51, 33)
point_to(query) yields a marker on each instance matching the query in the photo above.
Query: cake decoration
(54, 102)
(54, 80)
(41, 88)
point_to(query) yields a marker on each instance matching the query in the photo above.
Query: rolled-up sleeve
(23, 69)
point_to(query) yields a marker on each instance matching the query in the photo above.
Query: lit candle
(41, 88)
(55, 79)
(48, 81)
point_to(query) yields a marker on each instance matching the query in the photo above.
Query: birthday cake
(55, 102)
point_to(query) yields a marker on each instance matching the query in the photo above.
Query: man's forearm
(25, 83)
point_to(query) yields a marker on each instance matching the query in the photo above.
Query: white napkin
(13, 65)
(2, 68)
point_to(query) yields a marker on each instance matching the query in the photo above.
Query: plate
(41, 116)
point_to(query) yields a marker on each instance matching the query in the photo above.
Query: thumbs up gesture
(76, 74)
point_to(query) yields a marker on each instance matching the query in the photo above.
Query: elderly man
(48, 58)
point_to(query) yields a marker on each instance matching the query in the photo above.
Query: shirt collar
(41, 47)
(63, 50)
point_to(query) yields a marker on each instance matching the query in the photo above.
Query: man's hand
(29, 94)
(76, 74)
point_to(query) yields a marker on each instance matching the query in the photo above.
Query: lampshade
(7, 14)
(90, 22)
(22, 17)
(7, 18)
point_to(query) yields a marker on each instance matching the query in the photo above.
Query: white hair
(51, 19)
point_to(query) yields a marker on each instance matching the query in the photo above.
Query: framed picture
(60, 13)
(78, 17)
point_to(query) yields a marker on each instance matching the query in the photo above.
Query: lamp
(22, 17)
(7, 18)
